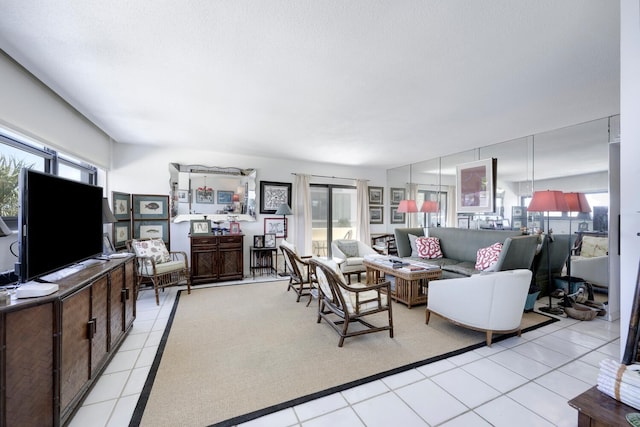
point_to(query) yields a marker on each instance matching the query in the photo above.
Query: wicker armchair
(300, 278)
(156, 265)
(343, 304)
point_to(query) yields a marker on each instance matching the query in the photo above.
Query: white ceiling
(359, 82)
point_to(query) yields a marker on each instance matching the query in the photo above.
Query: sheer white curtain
(362, 212)
(302, 215)
(452, 215)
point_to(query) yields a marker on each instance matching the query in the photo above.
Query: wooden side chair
(301, 279)
(156, 265)
(343, 304)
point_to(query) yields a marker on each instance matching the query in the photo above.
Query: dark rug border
(138, 412)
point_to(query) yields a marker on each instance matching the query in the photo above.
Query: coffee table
(411, 285)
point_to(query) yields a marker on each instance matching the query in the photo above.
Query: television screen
(60, 222)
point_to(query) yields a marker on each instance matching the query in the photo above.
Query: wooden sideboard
(53, 348)
(216, 258)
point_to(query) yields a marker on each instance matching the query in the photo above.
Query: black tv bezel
(22, 268)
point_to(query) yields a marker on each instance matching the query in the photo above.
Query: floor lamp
(428, 207)
(547, 201)
(284, 210)
(577, 202)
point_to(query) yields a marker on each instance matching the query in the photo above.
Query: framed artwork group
(397, 194)
(139, 216)
(267, 240)
(376, 200)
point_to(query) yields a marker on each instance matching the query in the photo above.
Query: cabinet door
(27, 383)
(129, 294)
(230, 257)
(116, 311)
(99, 323)
(204, 264)
(75, 351)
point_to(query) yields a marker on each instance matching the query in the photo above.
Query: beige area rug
(233, 353)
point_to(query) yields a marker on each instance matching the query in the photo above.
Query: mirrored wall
(570, 159)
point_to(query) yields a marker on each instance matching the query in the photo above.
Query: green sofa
(459, 249)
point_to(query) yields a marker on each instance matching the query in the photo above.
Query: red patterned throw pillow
(488, 256)
(428, 247)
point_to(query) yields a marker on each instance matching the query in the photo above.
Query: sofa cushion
(488, 256)
(594, 246)
(414, 246)
(465, 268)
(428, 247)
(350, 249)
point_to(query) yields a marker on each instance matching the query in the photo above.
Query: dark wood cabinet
(53, 348)
(216, 258)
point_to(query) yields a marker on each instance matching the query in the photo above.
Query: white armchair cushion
(594, 270)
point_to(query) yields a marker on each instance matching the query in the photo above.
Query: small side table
(596, 409)
(262, 260)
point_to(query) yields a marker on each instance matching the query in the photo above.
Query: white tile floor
(523, 381)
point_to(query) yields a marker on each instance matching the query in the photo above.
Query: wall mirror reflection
(570, 159)
(219, 193)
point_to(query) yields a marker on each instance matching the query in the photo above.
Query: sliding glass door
(333, 215)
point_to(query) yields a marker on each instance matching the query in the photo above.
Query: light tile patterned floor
(523, 381)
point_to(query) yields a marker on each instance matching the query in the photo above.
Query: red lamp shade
(577, 202)
(429, 206)
(549, 200)
(407, 206)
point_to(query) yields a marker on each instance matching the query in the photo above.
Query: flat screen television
(60, 223)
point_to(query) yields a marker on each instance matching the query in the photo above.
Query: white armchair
(592, 264)
(492, 302)
(349, 255)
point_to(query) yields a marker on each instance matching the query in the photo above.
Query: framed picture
(463, 222)
(204, 195)
(272, 195)
(397, 194)
(375, 195)
(151, 230)
(199, 227)
(269, 240)
(583, 226)
(517, 211)
(121, 233)
(234, 227)
(275, 226)
(396, 217)
(121, 203)
(225, 197)
(475, 186)
(183, 196)
(107, 246)
(375, 215)
(150, 206)
(258, 241)
(517, 224)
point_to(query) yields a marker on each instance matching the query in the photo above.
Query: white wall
(145, 170)
(31, 110)
(629, 162)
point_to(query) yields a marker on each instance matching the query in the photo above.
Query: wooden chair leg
(427, 315)
(489, 338)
